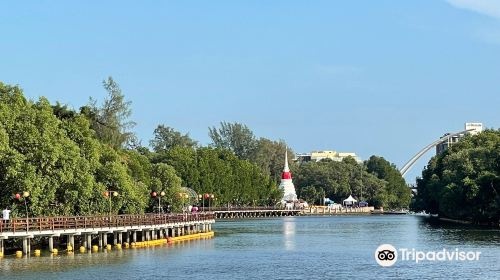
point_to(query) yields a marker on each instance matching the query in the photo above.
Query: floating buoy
(108, 247)
(126, 244)
(70, 248)
(95, 248)
(19, 254)
(82, 249)
(118, 246)
(55, 251)
(37, 253)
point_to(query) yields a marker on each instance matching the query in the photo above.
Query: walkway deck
(149, 226)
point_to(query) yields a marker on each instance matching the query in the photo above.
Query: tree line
(375, 181)
(68, 159)
(464, 181)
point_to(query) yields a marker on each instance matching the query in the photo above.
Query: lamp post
(154, 195)
(186, 196)
(211, 197)
(109, 194)
(206, 196)
(183, 197)
(200, 197)
(25, 198)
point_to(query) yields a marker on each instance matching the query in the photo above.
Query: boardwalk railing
(89, 222)
(245, 208)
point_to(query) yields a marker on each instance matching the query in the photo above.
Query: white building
(333, 155)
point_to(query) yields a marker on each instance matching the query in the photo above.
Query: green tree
(165, 179)
(111, 121)
(464, 181)
(309, 194)
(398, 194)
(270, 157)
(235, 137)
(166, 138)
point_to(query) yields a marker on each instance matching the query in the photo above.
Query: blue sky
(371, 77)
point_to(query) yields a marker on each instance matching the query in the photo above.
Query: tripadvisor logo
(387, 255)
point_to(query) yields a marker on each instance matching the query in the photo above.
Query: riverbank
(321, 210)
(465, 222)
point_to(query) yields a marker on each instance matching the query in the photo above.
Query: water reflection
(65, 262)
(291, 248)
(289, 233)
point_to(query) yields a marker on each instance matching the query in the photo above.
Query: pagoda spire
(286, 169)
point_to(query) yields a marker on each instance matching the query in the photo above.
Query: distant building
(477, 128)
(474, 128)
(319, 155)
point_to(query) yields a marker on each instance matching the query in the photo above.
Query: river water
(338, 247)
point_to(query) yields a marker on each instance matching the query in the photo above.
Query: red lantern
(17, 196)
(154, 194)
(206, 196)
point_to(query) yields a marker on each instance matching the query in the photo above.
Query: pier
(250, 212)
(267, 212)
(322, 210)
(102, 231)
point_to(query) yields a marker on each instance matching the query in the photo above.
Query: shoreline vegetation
(68, 159)
(463, 183)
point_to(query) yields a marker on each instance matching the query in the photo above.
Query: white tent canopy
(350, 200)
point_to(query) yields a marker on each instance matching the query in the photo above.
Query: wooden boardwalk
(121, 227)
(250, 212)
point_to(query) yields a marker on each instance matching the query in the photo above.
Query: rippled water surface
(283, 248)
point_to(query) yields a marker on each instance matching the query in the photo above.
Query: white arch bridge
(414, 159)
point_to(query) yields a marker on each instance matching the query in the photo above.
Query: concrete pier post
(134, 236)
(101, 243)
(25, 245)
(128, 236)
(120, 237)
(89, 241)
(84, 241)
(153, 234)
(143, 235)
(71, 241)
(115, 238)
(51, 243)
(105, 239)
(173, 232)
(1, 247)
(161, 233)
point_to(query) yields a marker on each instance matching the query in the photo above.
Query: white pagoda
(286, 184)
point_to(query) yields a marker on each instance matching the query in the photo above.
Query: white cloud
(487, 7)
